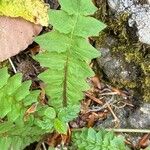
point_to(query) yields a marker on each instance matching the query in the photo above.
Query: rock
(141, 117)
(121, 114)
(114, 66)
(141, 19)
(139, 12)
(120, 5)
(15, 35)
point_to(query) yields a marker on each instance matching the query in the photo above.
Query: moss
(128, 44)
(145, 65)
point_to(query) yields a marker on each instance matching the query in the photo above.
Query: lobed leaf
(15, 100)
(83, 7)
(67, 52)
(49, 41)
(77, 25)
(68, 113)
(89, 139)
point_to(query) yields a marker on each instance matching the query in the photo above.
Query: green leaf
(5, 106)
(87, 53)
(6, 126)
(72, 6)
(68, 53)
(12, 96)
(23, 91)
(17, 143)
(52, 39)
(31, 98)
(47, 57)
(60, 126)
(68, 113)
(14, 113)
(13, 83)
(5, 143)
(50, 113)
(3, 76)
(46, 124)
(57, 19)
(15, 130)
(76, 24)
(91, 135)
(89, 139)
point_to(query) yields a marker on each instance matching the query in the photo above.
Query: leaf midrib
(68, 55)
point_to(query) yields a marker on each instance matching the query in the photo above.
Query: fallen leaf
(31, 10)
(15, 35)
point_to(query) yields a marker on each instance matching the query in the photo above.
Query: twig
(44, 147)
(104, 106)
(110, 93)
(130, 130)
(106, 89)
(94, 99)
(119, 130)
(114, 115)
(14, 69)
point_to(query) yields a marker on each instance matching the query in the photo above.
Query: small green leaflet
(60, 126)
(89, 139)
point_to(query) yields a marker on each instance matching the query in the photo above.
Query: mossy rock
(127, 49)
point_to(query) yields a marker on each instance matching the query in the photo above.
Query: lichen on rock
(139, 12)
(32, 10)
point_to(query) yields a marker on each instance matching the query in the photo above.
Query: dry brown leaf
(144, 141)
(15, 35)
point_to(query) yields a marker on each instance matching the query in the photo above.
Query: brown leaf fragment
(96, 82)
(15, 35)
(144, 141)
(30, 110)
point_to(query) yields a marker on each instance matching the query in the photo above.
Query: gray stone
(109, 123)
(140, 16)
(120, 5)
(141, 19)
(114, 65)
(141, 117)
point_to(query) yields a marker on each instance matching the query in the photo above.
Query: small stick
(112, 112)
(12, 65)
(106, 89)
(110, 93)
(104, 106)
(119, 130)
(130, 130)
(94, 99)
(44, 147)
